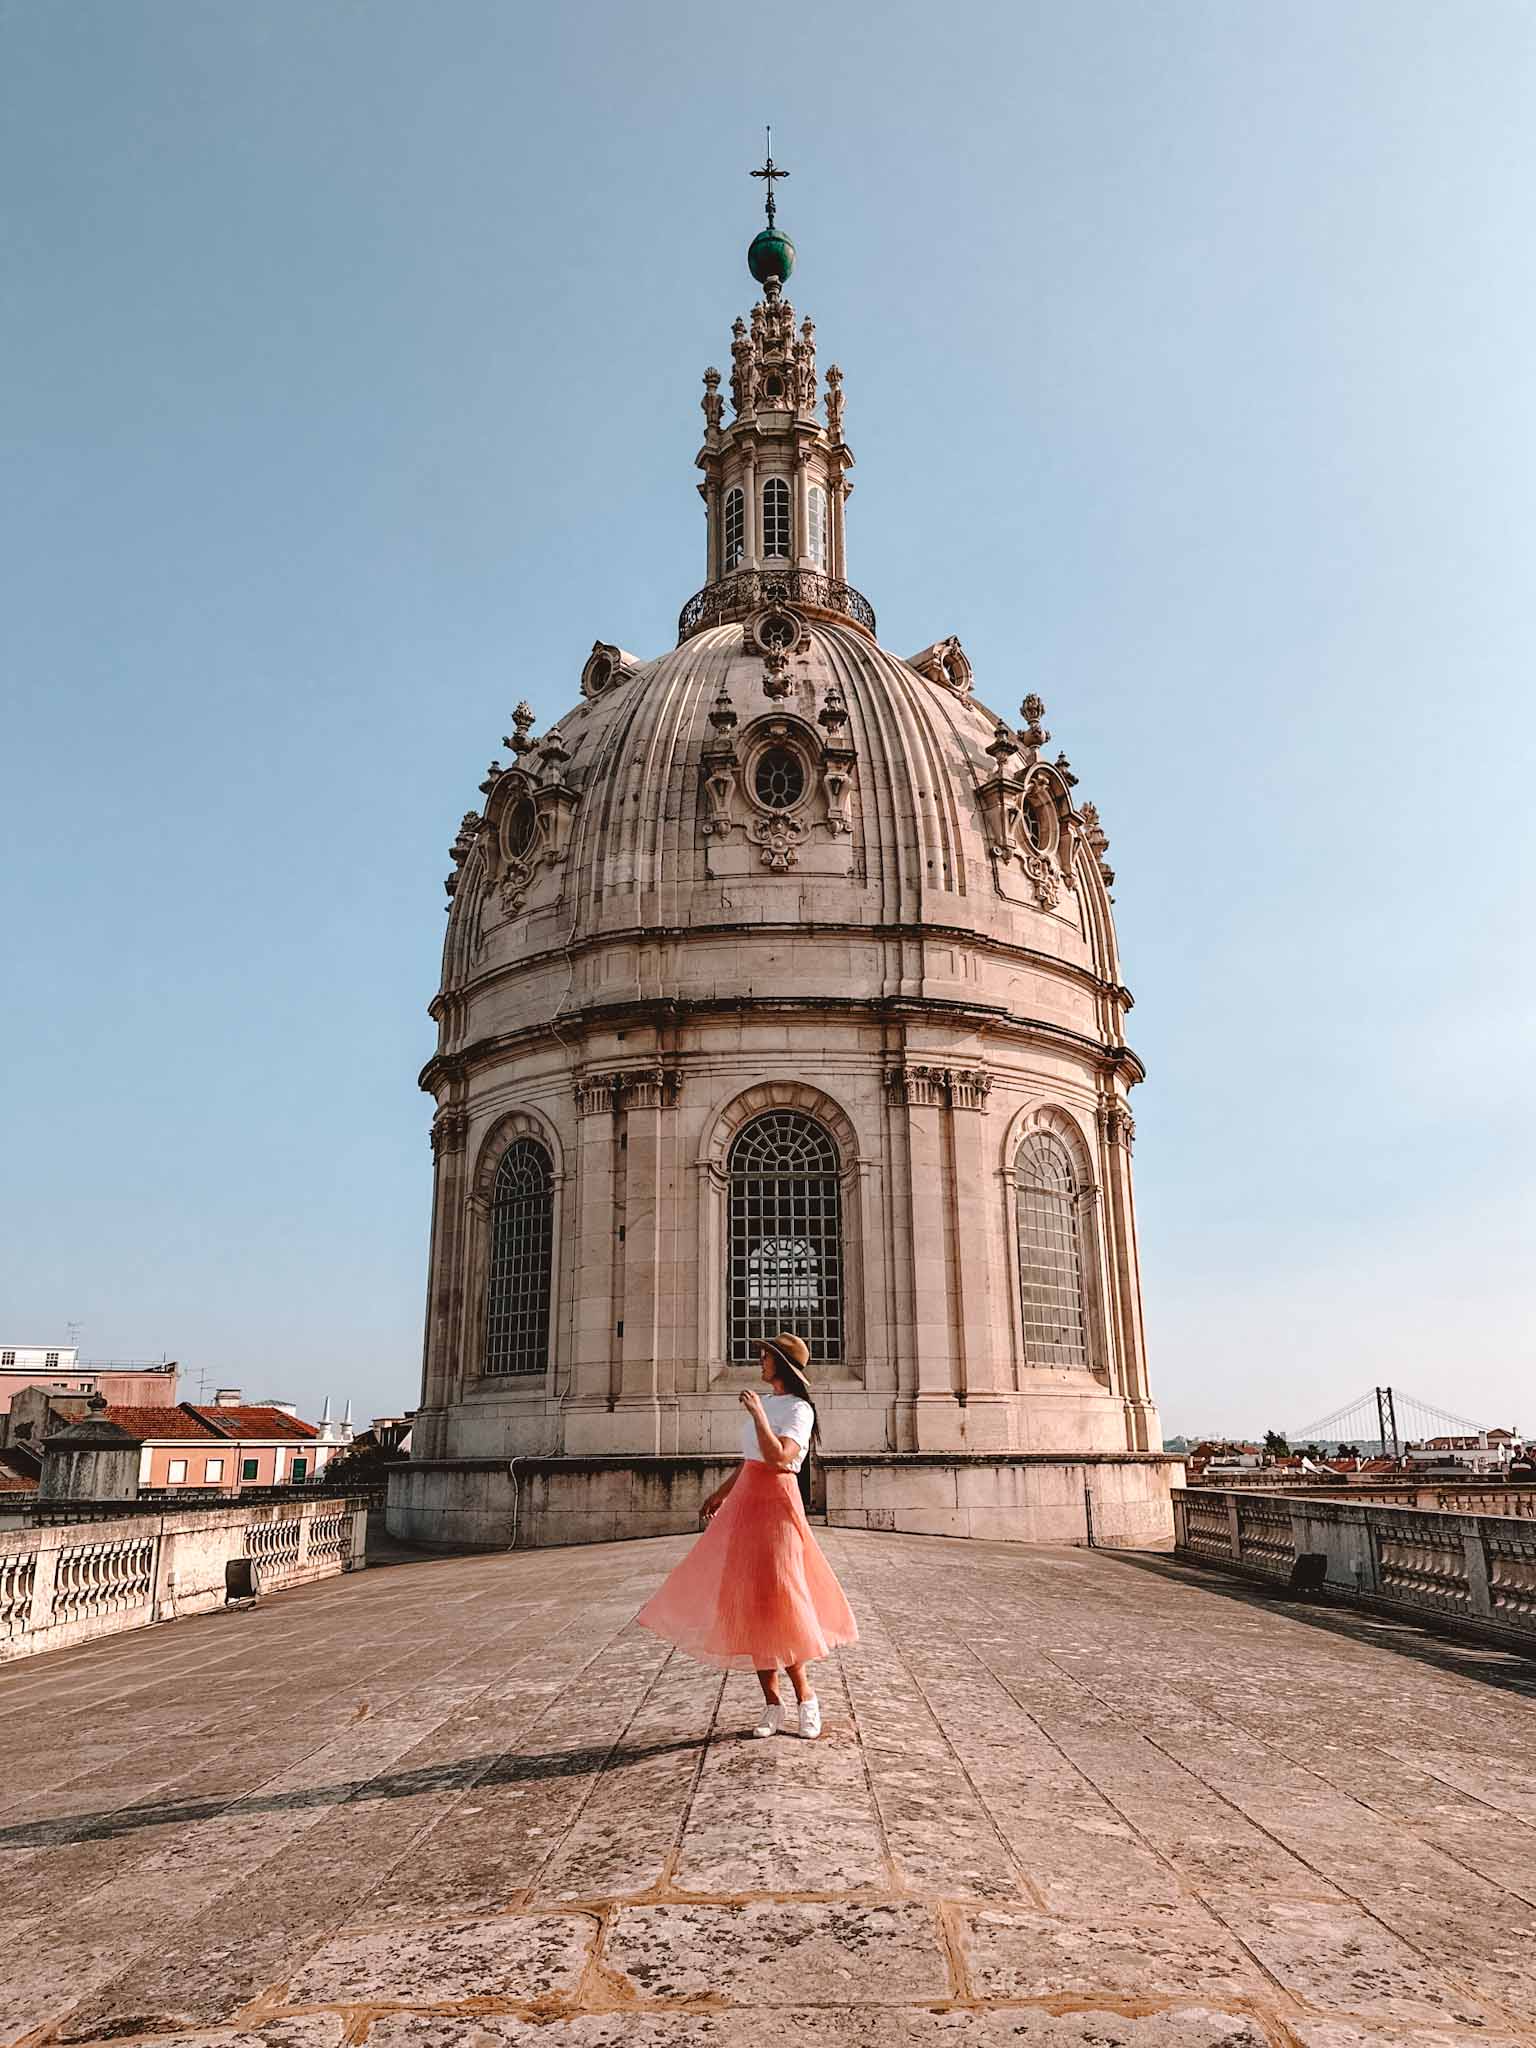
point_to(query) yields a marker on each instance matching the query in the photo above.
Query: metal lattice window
(776, 519)
(786, 1249)
(779, 778)
(522, 1251)
(1050, 1255)
(735, 528)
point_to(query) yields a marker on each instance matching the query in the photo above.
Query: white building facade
(781, 991)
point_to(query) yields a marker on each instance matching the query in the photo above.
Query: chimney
(226, 1397)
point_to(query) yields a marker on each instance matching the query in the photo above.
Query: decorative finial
(771, 256)
(520, 739)
(769, 172)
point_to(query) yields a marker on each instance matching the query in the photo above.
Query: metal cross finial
(770, 171)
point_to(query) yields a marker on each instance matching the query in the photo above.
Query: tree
(1276, 1444)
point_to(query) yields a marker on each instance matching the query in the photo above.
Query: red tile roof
(254, 1422)
(156, 1423)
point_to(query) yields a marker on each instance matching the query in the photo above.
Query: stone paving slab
(1064, 1800)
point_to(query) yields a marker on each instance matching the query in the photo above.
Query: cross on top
(769, 172)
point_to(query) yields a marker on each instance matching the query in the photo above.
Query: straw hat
(793, 1350)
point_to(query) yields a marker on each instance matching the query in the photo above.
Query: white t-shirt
(787, 1415)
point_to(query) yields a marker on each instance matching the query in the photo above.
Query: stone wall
(532, 1503)
(1119, 1500)
(62, 1585)
(1477, 1571)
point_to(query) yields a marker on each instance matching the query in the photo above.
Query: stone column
(442, 1366)
(596, 1255)
(984, 1365)
(1117, 1129)
(800, 549)
(750, 522)
(837, 497)
(645, 1412)
(715, 545)
(925, 1349)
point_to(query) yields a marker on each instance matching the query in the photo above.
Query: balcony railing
(736, 597)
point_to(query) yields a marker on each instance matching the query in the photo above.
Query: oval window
(779, 780)
(520, 827)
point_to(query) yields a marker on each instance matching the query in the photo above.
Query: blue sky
(349, 377)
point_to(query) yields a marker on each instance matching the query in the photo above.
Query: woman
(755, 1592)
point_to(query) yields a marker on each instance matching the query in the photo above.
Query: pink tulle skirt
(755, 1592)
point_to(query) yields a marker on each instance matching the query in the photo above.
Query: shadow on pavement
(1490, 1663)
(501, 1768)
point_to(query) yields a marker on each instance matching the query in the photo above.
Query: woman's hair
(794, 1382)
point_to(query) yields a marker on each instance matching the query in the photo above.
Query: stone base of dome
(1121, 1499)
(1114, 1498)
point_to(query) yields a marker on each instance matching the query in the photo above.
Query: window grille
(1050, 1254)
(735, 528)
(816, 515)
(51, 1361)
(522, 1251)
(779, 778)
(786, 1253)
(7, 1358)
(776, 519)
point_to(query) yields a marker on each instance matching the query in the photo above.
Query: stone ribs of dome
(643, 812)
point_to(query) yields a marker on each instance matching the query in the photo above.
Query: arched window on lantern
(521, 1261)
(776, 519)
(735, 528)
(1050, 1254)
(786, 1230)
(816, 523)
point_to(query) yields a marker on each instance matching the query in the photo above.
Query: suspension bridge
(1381, 1420)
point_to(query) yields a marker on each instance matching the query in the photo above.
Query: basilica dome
(780, 991)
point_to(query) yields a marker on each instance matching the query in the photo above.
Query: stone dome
(641, 814)
(780, 992)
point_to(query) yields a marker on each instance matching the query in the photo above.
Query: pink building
(223, 1445)
(58, 1370)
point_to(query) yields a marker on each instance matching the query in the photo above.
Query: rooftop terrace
(1065, 1798)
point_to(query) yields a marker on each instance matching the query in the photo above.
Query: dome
(780, 992)
(740, 786)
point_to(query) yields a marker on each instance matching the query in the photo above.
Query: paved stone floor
(1064, 1798)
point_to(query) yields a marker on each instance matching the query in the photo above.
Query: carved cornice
(449, 1128)
(1116, 1124)
(926, 1087)
(599, 1094)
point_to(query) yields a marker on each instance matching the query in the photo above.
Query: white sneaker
(810, 1718)
(772, 1721)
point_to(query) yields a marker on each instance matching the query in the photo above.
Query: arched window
(816, 521)
(786, 1250)
(776, 519)
(1050, 1254)
(522, 1253)
(735, 528)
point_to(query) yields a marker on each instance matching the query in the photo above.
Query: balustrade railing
(1475, 1569)
(64, 1584)
(736, 597)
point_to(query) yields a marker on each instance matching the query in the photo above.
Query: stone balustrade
(1474, 1569)
(61, 1585)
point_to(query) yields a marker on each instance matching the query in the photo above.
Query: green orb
(772, 254)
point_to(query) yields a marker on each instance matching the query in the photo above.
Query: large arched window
(786, 1251)
(522, 1252)
(776, 519)
(1050, 1254)
(816, 526)
(735, 528)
